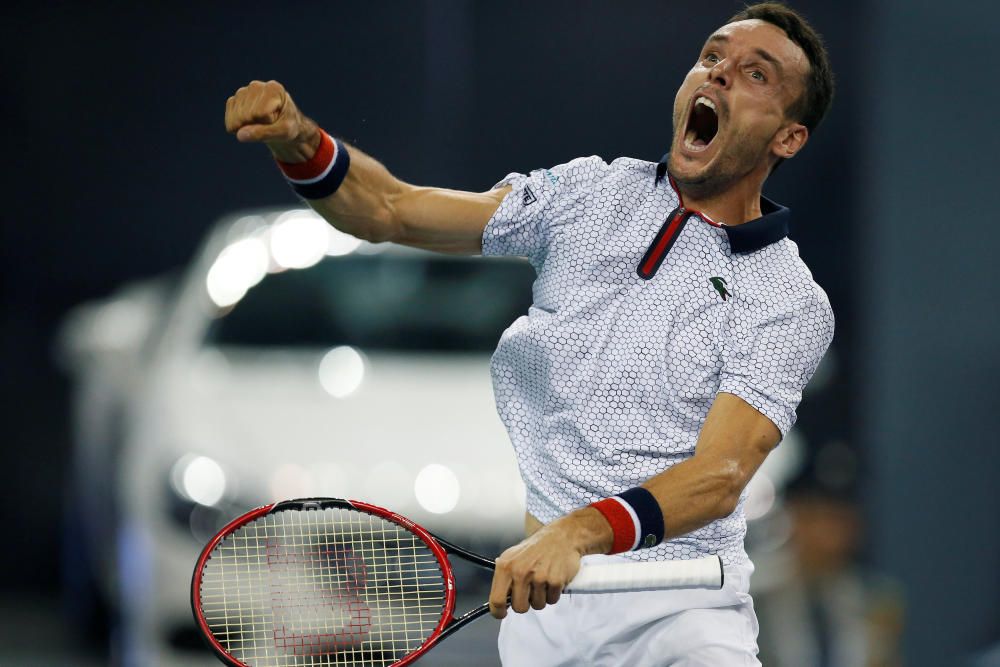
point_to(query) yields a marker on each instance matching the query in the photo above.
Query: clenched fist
(265, 113)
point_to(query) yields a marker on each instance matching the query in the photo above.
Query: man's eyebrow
(716, 38)
(771, 59)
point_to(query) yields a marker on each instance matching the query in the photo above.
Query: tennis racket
(324, 581)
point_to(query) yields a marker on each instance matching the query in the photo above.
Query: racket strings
(322, 587)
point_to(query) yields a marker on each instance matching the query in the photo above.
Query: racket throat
(463, 620)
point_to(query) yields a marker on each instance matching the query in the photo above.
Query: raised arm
(371, 203)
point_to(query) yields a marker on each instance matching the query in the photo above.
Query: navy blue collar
(770, 227)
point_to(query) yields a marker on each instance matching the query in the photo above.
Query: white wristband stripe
(317, 179)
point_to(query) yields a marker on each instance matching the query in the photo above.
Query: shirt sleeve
(768, 360)
(537, 204)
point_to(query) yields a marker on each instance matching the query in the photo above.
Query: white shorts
(679, 628)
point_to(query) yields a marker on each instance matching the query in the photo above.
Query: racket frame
(448, 623)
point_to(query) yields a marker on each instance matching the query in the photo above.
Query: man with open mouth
(673, 329)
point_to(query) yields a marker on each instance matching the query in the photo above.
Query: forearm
(365, 204)
(691, 494)
(362, 205)
(535, 571)
(732, 445)
(694, 493)
(374, 205)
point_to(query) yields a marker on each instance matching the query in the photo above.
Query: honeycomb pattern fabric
(608, 378)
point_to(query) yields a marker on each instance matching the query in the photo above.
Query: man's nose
(720, 74)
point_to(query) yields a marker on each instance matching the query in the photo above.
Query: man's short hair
(813, 104)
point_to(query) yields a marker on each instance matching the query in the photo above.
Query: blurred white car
(288, 360)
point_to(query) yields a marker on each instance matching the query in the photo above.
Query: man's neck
(737, 204)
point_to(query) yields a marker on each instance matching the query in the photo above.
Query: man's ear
(789, 140)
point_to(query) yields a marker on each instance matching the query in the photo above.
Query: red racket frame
(445, 626)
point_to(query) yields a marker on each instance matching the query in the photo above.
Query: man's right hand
(265, 113)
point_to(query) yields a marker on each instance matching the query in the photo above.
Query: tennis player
(673, 329)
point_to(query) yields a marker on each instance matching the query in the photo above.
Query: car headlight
(198, 479)
(437, 489)
(197, 500)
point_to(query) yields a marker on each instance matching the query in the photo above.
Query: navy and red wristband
(322, 174)
(635, 517)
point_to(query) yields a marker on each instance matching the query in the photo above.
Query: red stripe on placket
(662, 243)
(669, 231)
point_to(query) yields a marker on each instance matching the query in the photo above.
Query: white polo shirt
(642, 313)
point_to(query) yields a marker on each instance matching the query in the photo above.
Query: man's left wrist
(588, 532)
(635, 518)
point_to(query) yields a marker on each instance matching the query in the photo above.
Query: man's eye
(712, 58)
(757, 74)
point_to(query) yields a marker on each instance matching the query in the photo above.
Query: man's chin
(689, 169)
(697, 179)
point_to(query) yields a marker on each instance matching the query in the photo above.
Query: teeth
(707, 102)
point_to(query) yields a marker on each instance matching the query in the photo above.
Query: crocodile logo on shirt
(720, 286)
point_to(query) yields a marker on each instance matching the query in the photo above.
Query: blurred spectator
(818, 605)
(988, 658)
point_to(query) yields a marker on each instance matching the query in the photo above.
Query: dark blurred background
(118, 163)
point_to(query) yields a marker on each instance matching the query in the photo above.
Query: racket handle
(650, 576)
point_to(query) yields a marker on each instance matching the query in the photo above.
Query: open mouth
(702, 125)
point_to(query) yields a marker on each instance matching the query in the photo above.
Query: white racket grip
(650, 576)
